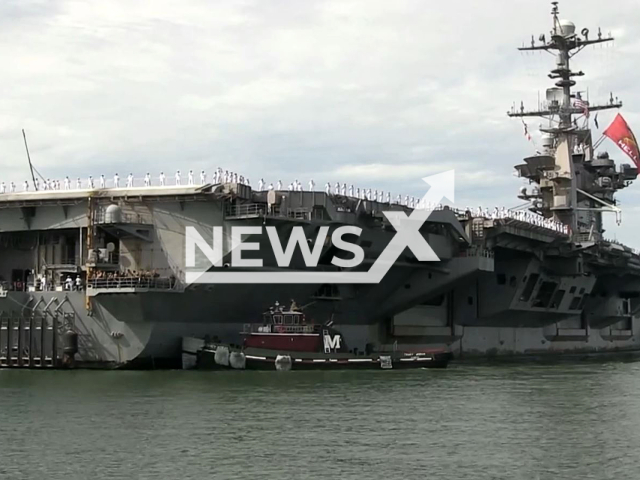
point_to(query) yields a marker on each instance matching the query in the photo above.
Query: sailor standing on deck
(67, 183)
(327, 188)
(26, 186)
(130, 181)
(261, 185)
(312, 185)
(271, 186)
(162, 179)
(336, 189)
(12, 187)
(3, 188)
(279, 185)
(178, 177)
(36, 184)
(147, 180)
(290, 188)
(116, 181)
(351, 190)
(103, 182)
(203, 178)
(190, 177)
(90, 182)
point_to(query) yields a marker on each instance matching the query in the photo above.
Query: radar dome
(113, 214)
(568, 28)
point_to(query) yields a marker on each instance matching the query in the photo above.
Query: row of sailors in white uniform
(218, 177)
(523, 216)
(351, 191)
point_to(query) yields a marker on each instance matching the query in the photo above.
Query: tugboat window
(277, 319)
(288, 320)
(296, 319)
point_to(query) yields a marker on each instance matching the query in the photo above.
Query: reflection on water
(507, 421)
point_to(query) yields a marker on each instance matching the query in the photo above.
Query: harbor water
(571, 421)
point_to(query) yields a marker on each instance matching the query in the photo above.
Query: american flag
(582, 104)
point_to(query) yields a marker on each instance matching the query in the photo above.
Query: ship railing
(252, 210)
(477, 252)
(248, 210)
(101, 218)
(133, 282)
(269, 328)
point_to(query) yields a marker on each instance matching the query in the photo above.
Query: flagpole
(600, 140)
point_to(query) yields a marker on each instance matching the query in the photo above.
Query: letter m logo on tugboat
(331, 342)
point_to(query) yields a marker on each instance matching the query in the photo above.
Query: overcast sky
(377, 93)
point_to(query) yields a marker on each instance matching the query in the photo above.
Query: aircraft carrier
(96, 277)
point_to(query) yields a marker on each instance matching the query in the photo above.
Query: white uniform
(103, 182)
(67, 184)
(203, 178)
(12, 187)
(271, 186)
(260, 185)
(178, 177)
(235, 178)
(130, 181)
(36, 184)
(279, 185)
(190, 177)
(90, 182)
(3, 188)
(312, 185)
(327, 188)
(26, 186)
(116, 181)
(147, 180)
(291, 187)
(162, 179)
(388, 199)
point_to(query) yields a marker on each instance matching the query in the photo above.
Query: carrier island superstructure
(504, 285)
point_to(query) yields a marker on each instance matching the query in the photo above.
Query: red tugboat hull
(285, 340)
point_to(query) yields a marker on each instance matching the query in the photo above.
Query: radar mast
(573, 186)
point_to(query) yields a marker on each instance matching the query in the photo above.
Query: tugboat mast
(564, 193)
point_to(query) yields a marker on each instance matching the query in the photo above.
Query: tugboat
(286, 340)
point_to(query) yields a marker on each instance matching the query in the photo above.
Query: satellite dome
(567, 28)
(113, 214)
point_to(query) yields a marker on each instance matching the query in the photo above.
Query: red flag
(622, 135)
